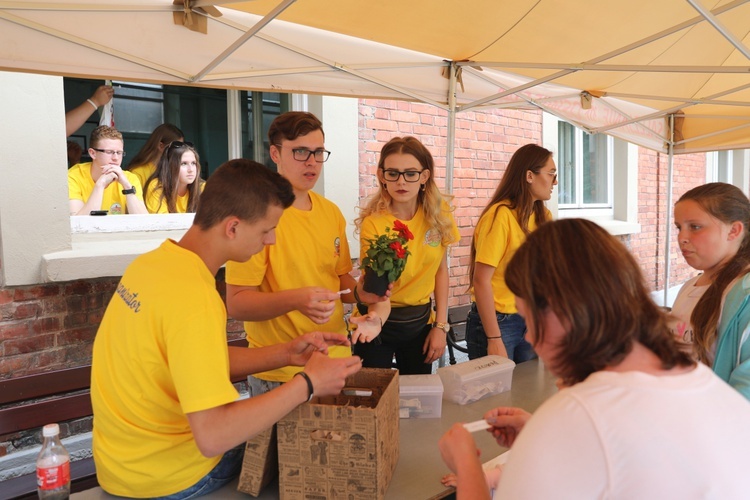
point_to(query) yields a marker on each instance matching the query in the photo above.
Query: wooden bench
(35, 400)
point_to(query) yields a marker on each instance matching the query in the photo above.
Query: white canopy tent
(671, 75)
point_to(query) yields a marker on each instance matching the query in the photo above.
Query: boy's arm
(94, 201)
(244, 361)
(219, 429)
(248, 303)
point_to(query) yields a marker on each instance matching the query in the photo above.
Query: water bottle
(53, 466)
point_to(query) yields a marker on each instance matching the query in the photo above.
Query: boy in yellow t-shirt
(293, 286)
(167, 419)
(102, 184)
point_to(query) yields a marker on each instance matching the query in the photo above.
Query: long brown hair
(167, 177)
(516, 192)
(594, 285)
(728, 204)
(164, 134)
(429, 198)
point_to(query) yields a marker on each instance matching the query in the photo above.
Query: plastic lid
(50, 430)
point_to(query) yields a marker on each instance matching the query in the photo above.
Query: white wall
(34, 216)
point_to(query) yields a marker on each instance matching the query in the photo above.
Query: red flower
(403, 230)
(400, 251)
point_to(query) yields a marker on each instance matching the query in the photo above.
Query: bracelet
(93, 104)
(356, 297)
(493, 338)
(309, 384)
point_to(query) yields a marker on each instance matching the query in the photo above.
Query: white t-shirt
(683, 306)
(633, 435)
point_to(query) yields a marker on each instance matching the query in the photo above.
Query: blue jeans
(225, 471)
(512, 328)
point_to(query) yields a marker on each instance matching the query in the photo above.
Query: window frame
(622, 216)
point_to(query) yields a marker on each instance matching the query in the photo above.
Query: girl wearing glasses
(493, 325)
(144, 162)
(408, 193)
(176, 185)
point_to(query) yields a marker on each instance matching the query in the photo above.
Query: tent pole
(668, 211)
(451, 140)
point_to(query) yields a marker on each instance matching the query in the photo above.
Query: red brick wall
(50, 326)
(485, 141)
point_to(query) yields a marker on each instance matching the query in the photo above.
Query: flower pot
(374, 283)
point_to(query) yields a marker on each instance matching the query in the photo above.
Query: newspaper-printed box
(259, 466)
(420, 396)
(478, 378)
(344, 446)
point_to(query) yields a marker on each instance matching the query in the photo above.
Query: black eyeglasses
(179, 144)
(409, 175)
(110, 152)
(304, 154)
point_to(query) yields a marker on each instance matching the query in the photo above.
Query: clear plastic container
(420, 396)
(53, 466)
(476, 379)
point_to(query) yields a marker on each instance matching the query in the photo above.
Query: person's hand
(106, 179)
(301, 348)
(506, 423)
(103, 95)
(449, 480)
(328, 375)
(368, 327)
(434, 345)
(456, 446)
(317, 303)
(496, 347)
(371, 298)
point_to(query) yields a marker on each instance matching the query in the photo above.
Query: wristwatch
(443, 326)
(129, 191)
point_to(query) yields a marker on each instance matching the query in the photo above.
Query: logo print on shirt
(337, 247)
(115, 209)
(432, 238)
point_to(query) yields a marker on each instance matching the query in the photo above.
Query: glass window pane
(723, 169)
(272, 105)
(595, 171)
(566, 163)
(138, 109)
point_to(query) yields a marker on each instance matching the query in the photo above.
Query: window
(584, 169)
(597, 176)
(732, 167)
(256, 132)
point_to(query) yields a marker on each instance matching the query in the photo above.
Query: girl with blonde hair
(408, 194)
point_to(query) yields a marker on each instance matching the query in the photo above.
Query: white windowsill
(105, 245)
(619, 227)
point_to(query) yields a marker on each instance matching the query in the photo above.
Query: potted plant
(385, 258)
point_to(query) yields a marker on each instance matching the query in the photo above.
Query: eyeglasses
(110, 152)
(304, 154)
(553, 174)
(409, 175)
(179, 144)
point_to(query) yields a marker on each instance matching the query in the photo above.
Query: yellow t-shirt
(160, 352)
(155, 205)
(497, 237)
(81, 185)
(143, 172)
(417, 282)
(311, 250)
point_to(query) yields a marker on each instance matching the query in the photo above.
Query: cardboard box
(479, 378)
(260, 464)
(420, 396)
(344, 446)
